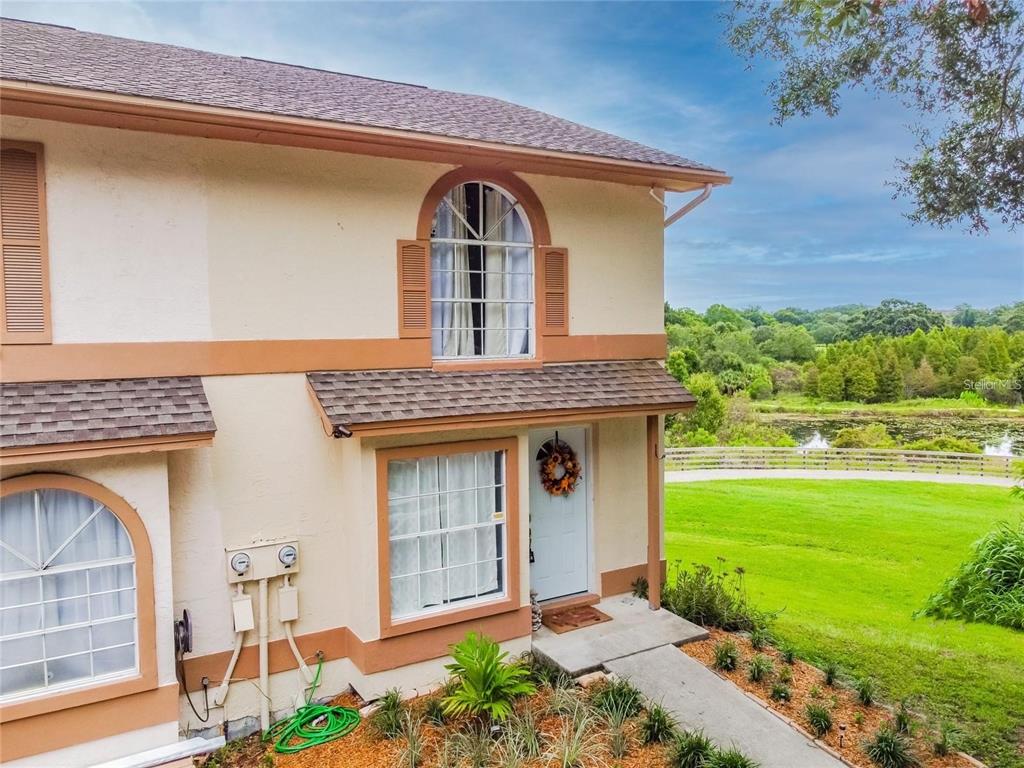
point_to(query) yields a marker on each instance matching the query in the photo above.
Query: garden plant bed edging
(840, 700)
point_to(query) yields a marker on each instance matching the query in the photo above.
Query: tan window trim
(390, 628)
(146, 679)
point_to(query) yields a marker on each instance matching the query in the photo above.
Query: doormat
(569, 619)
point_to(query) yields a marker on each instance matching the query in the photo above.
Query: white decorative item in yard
(536, 613)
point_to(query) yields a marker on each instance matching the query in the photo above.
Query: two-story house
(343, 367)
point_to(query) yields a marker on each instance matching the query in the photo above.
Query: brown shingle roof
(354, 398)
(52, 55)
(55, 412)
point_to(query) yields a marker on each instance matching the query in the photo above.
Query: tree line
(898, 350)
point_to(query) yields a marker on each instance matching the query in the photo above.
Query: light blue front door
(559, 530)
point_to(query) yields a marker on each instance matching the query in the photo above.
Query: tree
(922, 381)
(894, 317)
(965, 316)
(861, 381)
(709, 413)
(677, 365)
(957, 63)
(831, 384)
(789, 342)
(889, 387)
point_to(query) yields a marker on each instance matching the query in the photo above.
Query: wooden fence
(841, 459)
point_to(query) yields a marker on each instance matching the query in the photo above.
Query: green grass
(848, 563)
(929, 406)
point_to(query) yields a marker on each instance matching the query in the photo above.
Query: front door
(559, 536)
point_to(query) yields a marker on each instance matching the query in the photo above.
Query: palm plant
(487, 684)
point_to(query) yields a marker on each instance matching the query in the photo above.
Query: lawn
(932, 406)
(848, 563)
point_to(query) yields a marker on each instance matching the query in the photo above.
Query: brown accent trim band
(473, 421)
(507, 180)
(368, 656)
(620, 580)
(145, 613)
(96, 720)
(133, 360)
(74, 105)
(510, 602)
(66, 451)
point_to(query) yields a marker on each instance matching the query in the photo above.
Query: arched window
(68, 609)
(481, 270)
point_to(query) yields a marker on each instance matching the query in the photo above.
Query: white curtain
(57, 548)
(439, 551)
(450, 279)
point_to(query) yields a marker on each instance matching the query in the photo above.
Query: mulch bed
(841, 701)
(364, 749)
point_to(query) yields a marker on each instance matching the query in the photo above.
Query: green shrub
(781, 692)
(903, 721)
(617, 717)
(640, 587)
(657, 726)
(760, 638)
(819, 718)
(760, 668)
(946, 740)
(578, 742)
(433, 711)
(989, 587)
(618, 694)
(815, 692)
(788, 653)
(487, 684)
(865, 689)
(731, 758)
(386, 721)
(543, 672)
(690, 749)
(831, 670)
(522, 731)
(727, 655)
(946, 443)
(411, 754)
(785, 674)
(890, 749)
(473, 746)
(697, 438)
(711, 599)
(868, 436)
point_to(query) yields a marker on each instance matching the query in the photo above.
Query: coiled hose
(312, 724)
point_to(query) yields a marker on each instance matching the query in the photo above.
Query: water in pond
(1000, 437)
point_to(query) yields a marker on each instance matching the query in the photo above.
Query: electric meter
(288, 554)
(240, 562)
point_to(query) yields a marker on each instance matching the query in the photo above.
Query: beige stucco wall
(620, 495)
(163, 238)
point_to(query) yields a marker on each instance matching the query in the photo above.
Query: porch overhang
(58, 420)
(383, 402)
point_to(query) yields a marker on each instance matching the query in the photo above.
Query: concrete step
(634, 628)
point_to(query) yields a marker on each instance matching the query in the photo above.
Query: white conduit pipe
(222, 691)
(307, 673)
(264, 634)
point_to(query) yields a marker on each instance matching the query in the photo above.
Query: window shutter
(25, 298)
(554, 274)
(413, 289)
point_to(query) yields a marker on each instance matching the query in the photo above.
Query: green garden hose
(312, 724)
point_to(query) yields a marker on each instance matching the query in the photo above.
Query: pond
(1000, 437)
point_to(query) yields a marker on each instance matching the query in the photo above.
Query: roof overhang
(74, 105)
(36, 454)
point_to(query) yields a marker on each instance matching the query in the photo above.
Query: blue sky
(808, 220)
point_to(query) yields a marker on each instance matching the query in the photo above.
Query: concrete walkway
(699, 475)
(700, 700)
(634, 628)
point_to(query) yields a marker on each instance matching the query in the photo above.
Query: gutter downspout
(688, 206)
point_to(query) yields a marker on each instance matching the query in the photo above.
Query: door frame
(593, 578)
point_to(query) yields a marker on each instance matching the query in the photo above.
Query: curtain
(445, 541)
(64, 542)
(450, 279)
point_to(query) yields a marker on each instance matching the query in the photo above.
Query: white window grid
(498, 525)
(41, 570)
(478, 240)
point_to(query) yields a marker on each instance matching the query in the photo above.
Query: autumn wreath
(560, 470)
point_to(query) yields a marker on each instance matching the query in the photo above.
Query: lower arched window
(68, 613)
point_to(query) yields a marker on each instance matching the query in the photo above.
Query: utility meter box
(262, 560)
